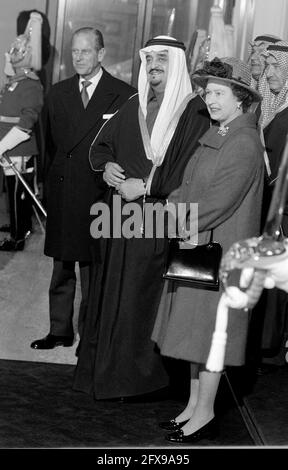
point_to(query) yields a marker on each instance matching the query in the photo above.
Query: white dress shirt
(94, 82)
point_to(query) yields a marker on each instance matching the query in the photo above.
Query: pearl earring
(239, 106)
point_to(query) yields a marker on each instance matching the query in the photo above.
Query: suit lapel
(73, 104)
(92, 116)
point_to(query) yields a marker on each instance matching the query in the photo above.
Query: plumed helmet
(25, 51)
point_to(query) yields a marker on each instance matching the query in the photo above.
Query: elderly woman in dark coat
(225, 178)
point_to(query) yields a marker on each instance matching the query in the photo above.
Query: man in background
(20, 106)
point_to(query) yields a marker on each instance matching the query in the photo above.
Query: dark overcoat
(71, 187)
(275, 308)
(275, 137)
(225, 177)
(275, 134)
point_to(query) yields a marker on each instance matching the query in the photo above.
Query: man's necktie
(84, 93)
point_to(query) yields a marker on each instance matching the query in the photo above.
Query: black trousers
(62, 294)
(20, 205)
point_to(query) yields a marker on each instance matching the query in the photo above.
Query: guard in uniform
(21, 100)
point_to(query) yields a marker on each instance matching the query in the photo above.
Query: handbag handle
(211, 236)
(210, 239)
(188, 238)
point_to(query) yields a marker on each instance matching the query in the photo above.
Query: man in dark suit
(275, 127)
(268, 344)
(77, 108)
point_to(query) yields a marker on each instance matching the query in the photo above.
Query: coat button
(61, 178)
(187, 182)
(69, 155)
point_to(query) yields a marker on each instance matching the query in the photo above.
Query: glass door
(127, 24)
(118, 20)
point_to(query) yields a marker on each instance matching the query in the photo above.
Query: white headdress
(275, 103)
(178, 92)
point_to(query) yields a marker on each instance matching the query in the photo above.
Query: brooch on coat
(223, 130)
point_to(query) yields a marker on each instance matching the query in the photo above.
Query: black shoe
(172, 425)
(51, 341)
(8, 244)
(208, 431)
(5, 228)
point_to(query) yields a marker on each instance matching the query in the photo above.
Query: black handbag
(196, 265)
